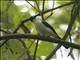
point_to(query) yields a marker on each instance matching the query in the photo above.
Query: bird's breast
(43, 30)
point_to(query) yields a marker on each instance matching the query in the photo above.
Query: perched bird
(44, 28)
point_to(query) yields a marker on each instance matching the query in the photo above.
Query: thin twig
(33, 17)
(31, 5)
(37, 6)
(35, 51)
(72, 20)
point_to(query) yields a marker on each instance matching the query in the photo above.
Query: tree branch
(33, 17)
(39, 37)
(74, 13)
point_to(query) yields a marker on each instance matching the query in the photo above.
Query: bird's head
(37, 19)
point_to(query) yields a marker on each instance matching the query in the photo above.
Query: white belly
(43, 30)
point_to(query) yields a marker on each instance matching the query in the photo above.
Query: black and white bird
(44, 28)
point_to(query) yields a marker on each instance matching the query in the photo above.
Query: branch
(24, 45)
(74, 13)
(4, 31)
(33, 17)
(39, 37)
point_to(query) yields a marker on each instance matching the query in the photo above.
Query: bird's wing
(45, 23)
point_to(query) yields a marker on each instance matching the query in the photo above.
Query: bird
(43, 27)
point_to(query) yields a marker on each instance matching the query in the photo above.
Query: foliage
(11, 17)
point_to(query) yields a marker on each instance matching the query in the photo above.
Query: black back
(45, 23)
